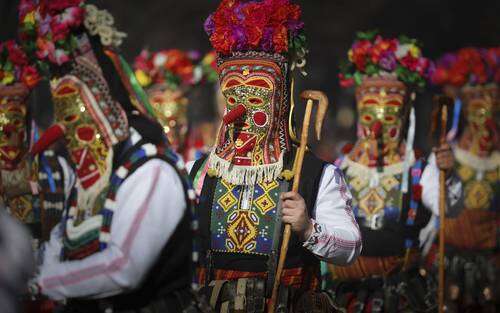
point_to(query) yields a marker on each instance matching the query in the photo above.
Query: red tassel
(51, 135)
(234, 114)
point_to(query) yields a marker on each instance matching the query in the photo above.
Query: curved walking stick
(322, 100)
(443, 104)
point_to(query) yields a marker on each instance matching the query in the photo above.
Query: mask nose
(234, 114)
(377, 129)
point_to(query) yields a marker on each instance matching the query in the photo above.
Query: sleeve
(146, 218)
(430, 189)
(336, 237)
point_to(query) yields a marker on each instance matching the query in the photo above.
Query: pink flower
(59, 57)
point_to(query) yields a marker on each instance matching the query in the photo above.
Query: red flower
(30, 76)
(280, 39)
(410, 62)
(346, 82)
(59, 30)
(440, 76)
(16, 55)
(55, 6)
(380, 46)
(416, 193)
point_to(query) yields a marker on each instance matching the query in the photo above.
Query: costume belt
(178, 301)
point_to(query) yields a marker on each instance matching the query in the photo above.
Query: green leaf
(368, 35)
(371, 69)
(358, 78)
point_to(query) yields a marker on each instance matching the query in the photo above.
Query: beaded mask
(481, 107)
(380, 103)
(12, 125)
(253, 135)
(92, 122)
(170, 107)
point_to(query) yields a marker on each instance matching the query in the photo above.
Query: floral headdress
(468, 66)
(373, 55)
(209, 66)
(48, 28)
(271, 26)
(15, 66)
(174, 67)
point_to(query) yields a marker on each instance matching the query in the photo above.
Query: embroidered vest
(239, 229)
(383, 212)
(476, 226)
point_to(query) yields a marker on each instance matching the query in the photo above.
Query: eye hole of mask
(394, 103)
(367, 118)
(231, 100)
(370, 102)
(390, 118)
(255, 101)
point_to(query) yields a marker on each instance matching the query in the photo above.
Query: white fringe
(244, 175)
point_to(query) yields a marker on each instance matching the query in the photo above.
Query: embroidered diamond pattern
(241, 231)
(372, 202)
(477, 195)
(265, 203)
(269, 186)
(227, 201)
(357, 183)
(465, 172)
(389, 182)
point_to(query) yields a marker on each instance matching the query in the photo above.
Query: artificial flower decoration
(373, 55)
(209, 67)
(468, 66)
(272, 26)
(15, 67)
(173, 67)
(48, 28)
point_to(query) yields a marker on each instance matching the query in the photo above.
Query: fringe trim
(244, 175)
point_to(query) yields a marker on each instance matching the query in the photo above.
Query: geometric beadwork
(243, 217)
(372, 203)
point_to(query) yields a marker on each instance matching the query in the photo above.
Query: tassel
(51, 135)
(409, 150)
(456, 118)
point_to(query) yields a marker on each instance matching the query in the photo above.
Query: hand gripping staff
(444, 103)
(311, 96)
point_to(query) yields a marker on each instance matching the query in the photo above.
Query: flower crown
(209, 66)
(374, 55)
(468, 66)
(15, 66)
(272, 26)
(174, 67)
(48, 28)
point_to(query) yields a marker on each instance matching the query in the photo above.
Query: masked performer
(21, 178)
(114, 250)
(169, 76)
(243, 182)
(471, 77)
(386, 178)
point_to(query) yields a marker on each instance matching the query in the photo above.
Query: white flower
(402, 51)
(159, 60)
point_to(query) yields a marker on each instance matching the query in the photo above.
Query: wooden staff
(443, 102)
(310, 96)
